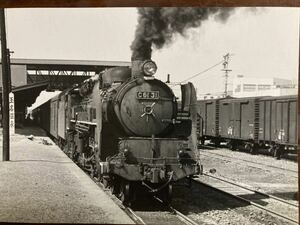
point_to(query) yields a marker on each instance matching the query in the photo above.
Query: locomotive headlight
(181, 153)
(149, 68)
(126, 152)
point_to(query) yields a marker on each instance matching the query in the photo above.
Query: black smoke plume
(156, 26)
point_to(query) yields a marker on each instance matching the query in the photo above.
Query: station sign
(11, 97)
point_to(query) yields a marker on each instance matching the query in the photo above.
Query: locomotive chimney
(136, 69)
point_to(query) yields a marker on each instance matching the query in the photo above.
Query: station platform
(40, 184)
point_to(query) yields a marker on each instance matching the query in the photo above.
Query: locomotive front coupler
(154, 174)
(154, 190)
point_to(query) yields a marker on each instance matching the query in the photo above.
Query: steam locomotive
(125, 128)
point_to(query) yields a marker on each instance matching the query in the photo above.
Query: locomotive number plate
(147, 95)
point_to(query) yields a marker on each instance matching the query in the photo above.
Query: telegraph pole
(9, 70)
(5, 87)
(297, 195)
(226, 70)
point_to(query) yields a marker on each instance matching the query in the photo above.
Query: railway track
(127, 210)
(181, 216)
(285, 210)
(161, 214)
(154, 212)
(148, 214)
(250, 163)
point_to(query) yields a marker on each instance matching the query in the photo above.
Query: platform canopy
(67, 65)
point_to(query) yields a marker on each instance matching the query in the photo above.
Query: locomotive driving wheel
(166, 194)
(115, 186)
(105, 182)
(125, 193)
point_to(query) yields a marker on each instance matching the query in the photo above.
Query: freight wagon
(250, 123)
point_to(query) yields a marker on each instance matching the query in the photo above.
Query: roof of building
(58, 64)
(30, 86)
(42, 84)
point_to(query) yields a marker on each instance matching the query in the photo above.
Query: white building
(213, 95)
(248, 87)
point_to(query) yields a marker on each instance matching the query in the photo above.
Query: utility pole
(297, 194)
(226, 70)
(9, 70)
(5, 87)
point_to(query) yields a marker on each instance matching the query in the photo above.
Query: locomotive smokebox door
(146, 105)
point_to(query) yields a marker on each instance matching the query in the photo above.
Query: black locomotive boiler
(125, 127)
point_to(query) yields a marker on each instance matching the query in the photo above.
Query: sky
(263, 42)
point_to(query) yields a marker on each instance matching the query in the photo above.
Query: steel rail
(247, 201)
(134, 216)
(181, 216)
(127, 210)
(234, 158)
(255, 191)
(137, 219)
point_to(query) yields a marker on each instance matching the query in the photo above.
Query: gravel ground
(41, 184)
(259, 173)
(213, 208)
(269, 203)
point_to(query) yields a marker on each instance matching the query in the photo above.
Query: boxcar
(239, 122)
(250, 123)
(278, 122)
(208, 120)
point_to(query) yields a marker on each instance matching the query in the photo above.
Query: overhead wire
(200, 73)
